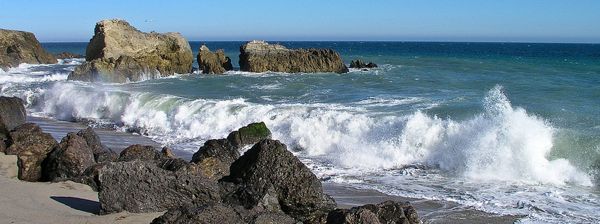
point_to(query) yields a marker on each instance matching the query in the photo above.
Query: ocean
(506, 128)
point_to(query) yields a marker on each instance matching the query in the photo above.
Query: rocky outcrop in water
(67, 55)
(260, 56)
(18, 47)
(31, 146)
(213, 62)
(118, 52)
(142, 186)
(270, 178)
(360, 64)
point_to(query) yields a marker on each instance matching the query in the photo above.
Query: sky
(565, 21)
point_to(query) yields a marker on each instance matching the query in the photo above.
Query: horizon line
(398, 41)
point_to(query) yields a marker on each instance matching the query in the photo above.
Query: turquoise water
(502, 127)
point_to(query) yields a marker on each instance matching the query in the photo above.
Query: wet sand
(69, 202)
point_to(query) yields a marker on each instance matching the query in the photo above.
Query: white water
(490, 161)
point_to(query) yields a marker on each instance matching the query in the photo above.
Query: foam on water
(481, 161)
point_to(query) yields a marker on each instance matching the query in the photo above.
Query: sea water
(507, 128)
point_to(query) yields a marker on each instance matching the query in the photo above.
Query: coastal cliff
(260, 56)
(18, 47)
(118, 52)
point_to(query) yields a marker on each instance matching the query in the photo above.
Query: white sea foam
(502, 143)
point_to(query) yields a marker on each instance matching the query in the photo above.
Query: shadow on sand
(80, 204)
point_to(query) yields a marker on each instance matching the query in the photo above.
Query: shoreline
(82, 195)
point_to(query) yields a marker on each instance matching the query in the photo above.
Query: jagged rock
(141, 186)
(271, 177)
(31, 146)
(119, 52)
(213, 62)
(385, 212)
(12, 114)
(216, 155)
(67, 55)
(273, 218)
(167, 153)
(18, 47)
(361, 64)
(259, 56)
(212, 213)
(101, 152)
(141, 152)
(249, 135)
(72, 157)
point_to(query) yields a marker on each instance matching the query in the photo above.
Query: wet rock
(215, 157)
(268, 176)
(31, 146)
(101, 152)
(141, 186)
(18, 47)
(12, 114)
(360, 64)
(67, 55)
(213, 62)
(72, 157)
(260, 56)
(118, 52)
(385, 212)
(249, 135)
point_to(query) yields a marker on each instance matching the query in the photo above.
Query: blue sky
(398, 20)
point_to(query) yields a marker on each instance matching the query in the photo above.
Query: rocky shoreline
(266, 184)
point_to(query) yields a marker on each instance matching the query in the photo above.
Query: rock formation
(271, 178)
(12, 114)
(215, 157)
(66, 55)
(360, 64)
(213, 62)
(72, 157)
(31, 146)
(119, 52)
(18, 47)
(385, 212)
(259, 56)
(142, 186)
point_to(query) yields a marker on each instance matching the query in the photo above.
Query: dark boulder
(215, 157)
(72, 157)
(385, 212)
(249, 135)
(211, 213)
(360, 64)
(260, 56)
(271, 177)
(12, 114)
(101, 152)
(67, 55)
(18, 47)
(31, 146)
(221, 213)
(213, 62)
(141, 152)
(141, 186)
